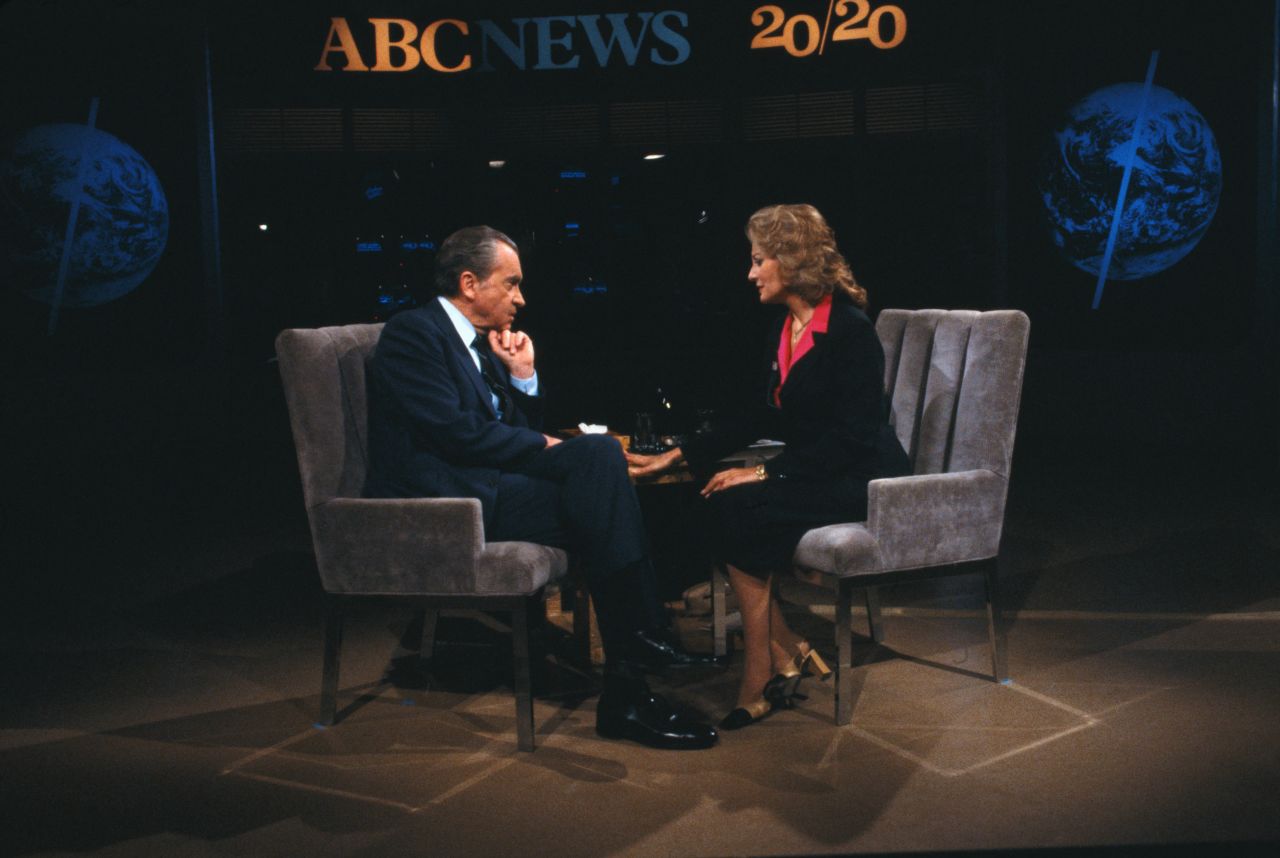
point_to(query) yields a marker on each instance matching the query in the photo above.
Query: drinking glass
(642, 439)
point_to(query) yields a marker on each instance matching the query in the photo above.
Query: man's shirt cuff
(527, 386)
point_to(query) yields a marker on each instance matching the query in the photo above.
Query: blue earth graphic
(121, 228)
(1173, 190)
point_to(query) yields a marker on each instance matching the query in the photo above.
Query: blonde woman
(823, 395)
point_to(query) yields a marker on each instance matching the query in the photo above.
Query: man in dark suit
(455, 411)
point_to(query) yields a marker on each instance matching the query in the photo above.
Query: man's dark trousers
(577, 495)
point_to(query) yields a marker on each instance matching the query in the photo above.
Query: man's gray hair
(472, 248)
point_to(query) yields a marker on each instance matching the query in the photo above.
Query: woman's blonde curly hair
(805, 247)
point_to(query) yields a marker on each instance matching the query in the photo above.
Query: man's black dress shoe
(642, 716)
(651, 650)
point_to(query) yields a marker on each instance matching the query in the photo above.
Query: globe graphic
(120, 229)
(1173, 189)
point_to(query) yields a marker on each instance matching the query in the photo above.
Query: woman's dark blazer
(833, 418)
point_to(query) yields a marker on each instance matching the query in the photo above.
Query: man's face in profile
(497, 297)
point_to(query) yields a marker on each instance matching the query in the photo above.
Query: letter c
(428, 46)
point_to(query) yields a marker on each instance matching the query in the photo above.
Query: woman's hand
(639, 465)
(728, 479)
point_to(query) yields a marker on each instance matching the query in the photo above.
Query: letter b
(382, 44)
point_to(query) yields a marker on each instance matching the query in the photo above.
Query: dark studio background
(156, 421)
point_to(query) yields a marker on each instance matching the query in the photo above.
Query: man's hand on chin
(515, 350)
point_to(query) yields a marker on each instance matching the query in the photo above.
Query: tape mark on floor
(829, 756)
(1087, 721)
(475, 779)
(1028, 747)
(327, 791)
(267, 751)
(901, 752)
(1052, 701)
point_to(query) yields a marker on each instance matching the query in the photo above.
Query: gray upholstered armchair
(431, 550)
(954, 379)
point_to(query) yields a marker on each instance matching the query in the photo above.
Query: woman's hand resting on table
(639, 465)
(729, 478)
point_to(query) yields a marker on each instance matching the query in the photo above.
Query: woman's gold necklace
(796, 333)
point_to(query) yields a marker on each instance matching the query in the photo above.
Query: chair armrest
(936, 519)
(397, 545)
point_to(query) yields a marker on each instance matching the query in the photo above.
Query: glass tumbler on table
(642, 437)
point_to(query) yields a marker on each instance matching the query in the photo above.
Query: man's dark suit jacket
(432, 428)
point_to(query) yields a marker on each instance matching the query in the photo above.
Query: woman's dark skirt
(757, 526)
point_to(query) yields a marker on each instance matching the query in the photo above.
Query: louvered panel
(769, 118)
(925, 107)
(281, 130)
(562, 125)
(895, 109)
(250, 130)
(314, 130)
(571, 124)
(695, 121)
(953, 106)
(638, 123)
(433, 130)
(516, 126)
(789, 117)
(400, 130)
(658, 123)
(388, 130)
(825, 114)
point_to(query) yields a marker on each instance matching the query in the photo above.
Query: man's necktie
(490, 376)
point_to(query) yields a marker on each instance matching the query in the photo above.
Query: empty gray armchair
(954, 379)
(430, 550)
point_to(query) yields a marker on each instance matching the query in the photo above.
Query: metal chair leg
(719, 610)
(996, 630)
(581, 611)
(522, 674)
(848, 684)
(430, 619)
(334, 610)
(875, 626)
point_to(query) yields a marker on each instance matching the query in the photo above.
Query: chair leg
(522, 679)
(996, 630)
(581, 611)
(567, 593)
(430, 619)
(848, 683)
(719, 610)
(876, 627)
(334, 609)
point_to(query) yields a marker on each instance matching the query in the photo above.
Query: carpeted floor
(176, 719)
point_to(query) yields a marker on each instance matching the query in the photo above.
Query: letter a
(346, 46)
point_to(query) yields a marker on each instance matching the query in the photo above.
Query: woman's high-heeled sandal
(809, 662)
(744, 715)
(783, 690)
